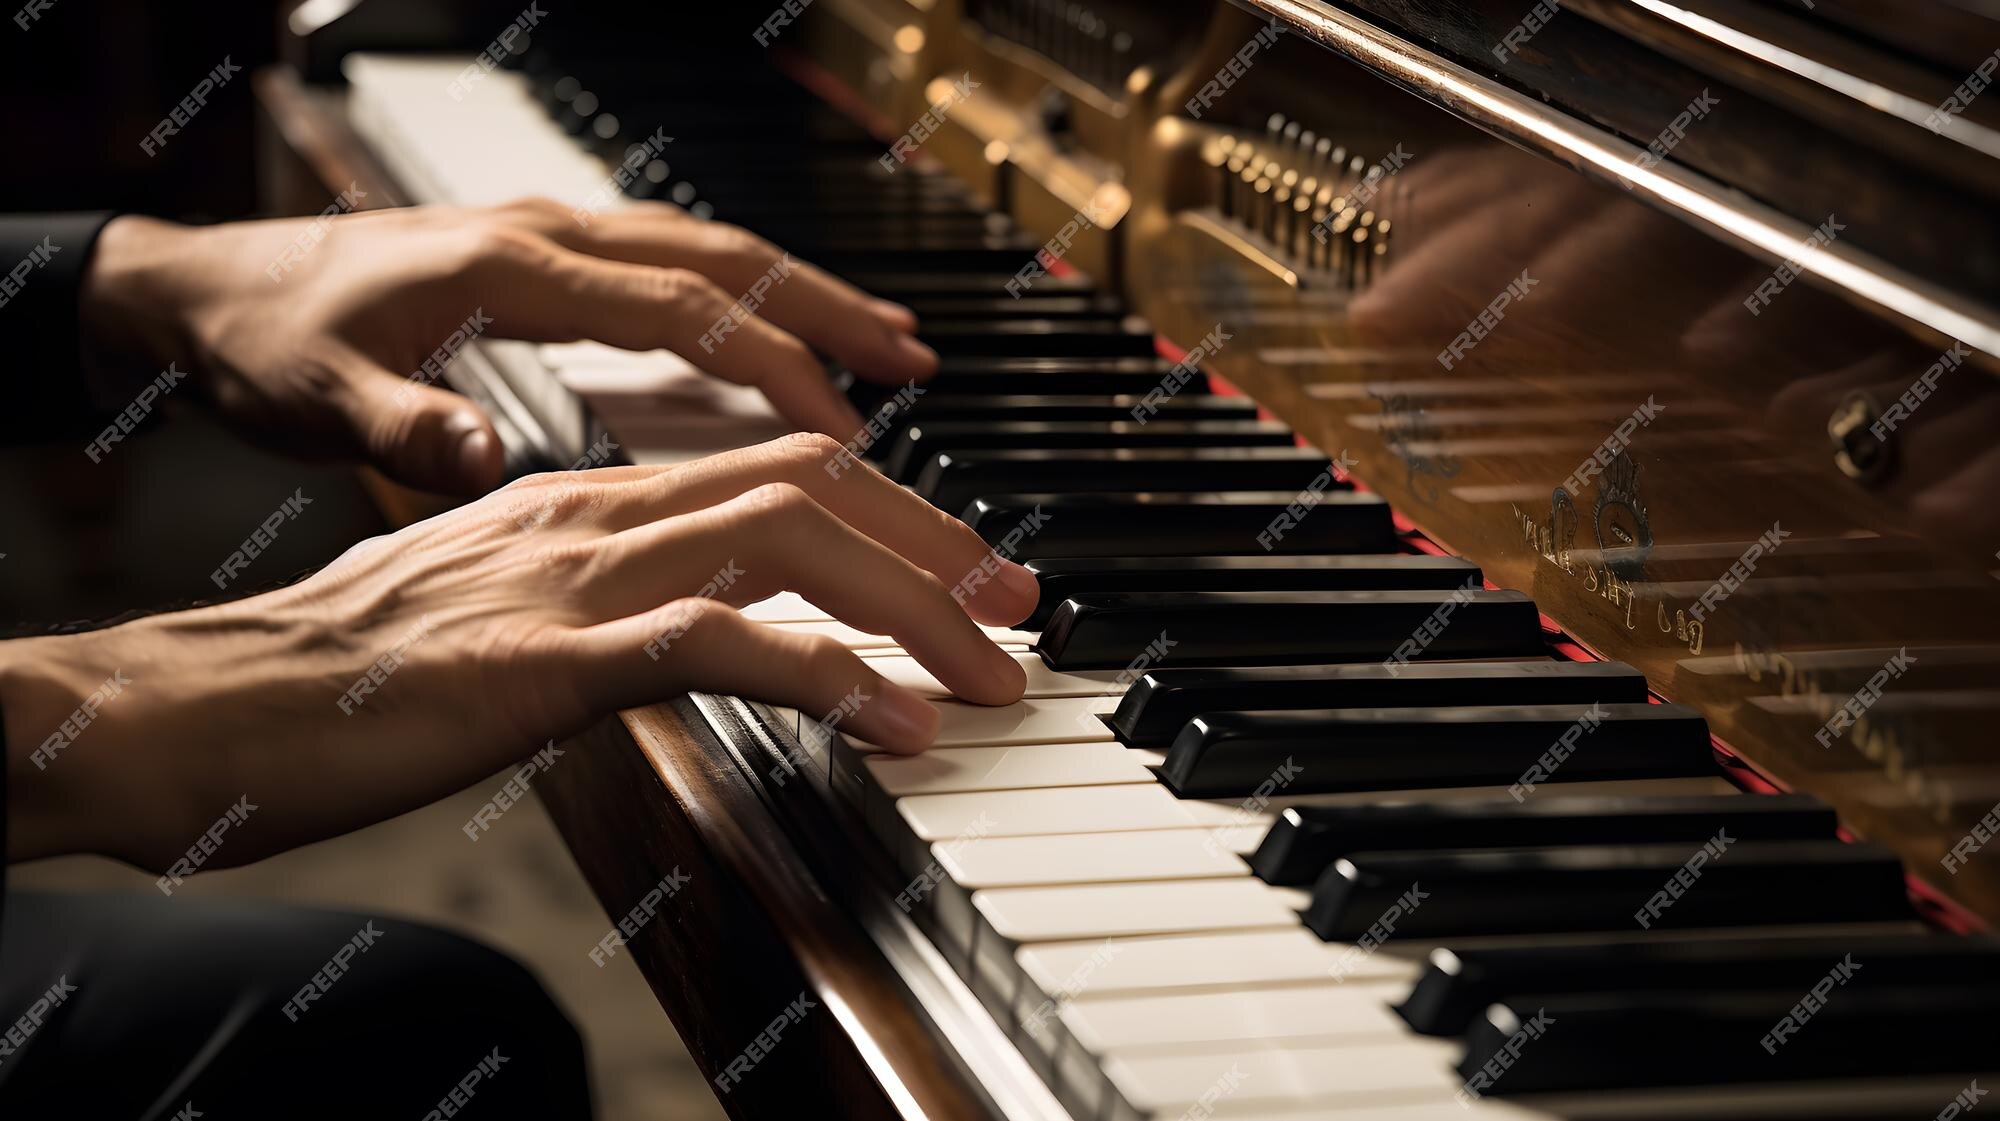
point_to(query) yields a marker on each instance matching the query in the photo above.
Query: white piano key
(1820, 1100)
(1285, 955)
(1076, 809)
(1447, 1109)
(1161, 854)
(1016, 767)
(1103, 1024)
(1042, 681)
(1050, 914)
(1339, 1075)
(856, 639)
(1035, 720)
(791, 607)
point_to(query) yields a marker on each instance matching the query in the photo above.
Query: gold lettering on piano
(1690, 631)
(1595, 579)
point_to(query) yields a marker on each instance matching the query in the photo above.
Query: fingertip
(922, 360)
(1022, 583)
(1008, 599)
(902, 721)
(895, 314)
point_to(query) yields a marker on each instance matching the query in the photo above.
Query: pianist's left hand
(307, 337)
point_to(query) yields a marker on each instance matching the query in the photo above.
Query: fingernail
(912, 720)
(1020, 581)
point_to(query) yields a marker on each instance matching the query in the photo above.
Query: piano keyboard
(1320, 829)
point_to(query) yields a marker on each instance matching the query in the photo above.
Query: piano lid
(1680, 318)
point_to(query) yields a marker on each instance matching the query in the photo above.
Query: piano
(1514, 493)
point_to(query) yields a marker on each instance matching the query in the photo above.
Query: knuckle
(738, 242)
(687, 288)
(805, 452)
(691, 615)
(778, 501)
(533, 208)
(826, 655)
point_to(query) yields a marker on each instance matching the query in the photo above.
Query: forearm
(51, 691)
(128, 741)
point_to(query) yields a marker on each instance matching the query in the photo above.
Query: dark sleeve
(42, 263)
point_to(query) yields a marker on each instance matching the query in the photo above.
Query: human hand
(318, 350)
(420, 661)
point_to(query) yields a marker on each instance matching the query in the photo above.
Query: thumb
(423, 436)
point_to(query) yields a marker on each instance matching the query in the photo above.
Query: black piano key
(1047, 407)
(1162, 702)
(1655, 1040)
(1330, 750)
(1575, 888)
(1306, 839)
(951, 480)
(1458, 984)
(916, 444)
(907, 285)
(1180, 523)
(1036, 337)
(1067, 368)
(1094, 305)
(844, 257)
(986, 376)
(1107, 630)
(1063, 577)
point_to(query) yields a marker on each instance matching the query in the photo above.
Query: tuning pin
(1343, 228)
(1301, 222)
(1324, 213)
(1291, 135)
(1305, 149)
(1253, 170)
(1275, 127)
(1246, 193)
(1215, 154)
(1281, 214)
(1379, 252)
(1301, 240)
(1260, 218)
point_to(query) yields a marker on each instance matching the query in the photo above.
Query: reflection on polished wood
(1655, 393)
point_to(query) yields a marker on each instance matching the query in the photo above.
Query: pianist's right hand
(424, 660)
(310, 335)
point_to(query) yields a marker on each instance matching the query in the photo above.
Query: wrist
(133, 305)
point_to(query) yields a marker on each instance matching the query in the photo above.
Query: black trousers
(158, 1008)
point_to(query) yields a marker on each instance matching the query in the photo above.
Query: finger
(539, 291)
(991, 588)
(776, 538)
(419, 435)
(867, 335)
(705, 646)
